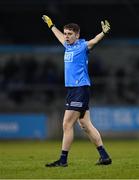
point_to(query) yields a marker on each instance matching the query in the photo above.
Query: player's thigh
(71, 116)
(86, 120)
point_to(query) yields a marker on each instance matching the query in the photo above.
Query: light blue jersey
(76, 64)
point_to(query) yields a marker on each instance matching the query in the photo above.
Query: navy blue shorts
(77, 98)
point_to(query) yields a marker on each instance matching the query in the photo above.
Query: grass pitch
(26, 159)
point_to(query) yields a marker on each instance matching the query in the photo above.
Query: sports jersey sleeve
(86, 45)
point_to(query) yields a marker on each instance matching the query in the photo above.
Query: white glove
(105, 26)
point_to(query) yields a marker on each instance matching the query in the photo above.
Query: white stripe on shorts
(76, 104)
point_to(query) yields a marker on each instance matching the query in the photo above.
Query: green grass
(26, 159)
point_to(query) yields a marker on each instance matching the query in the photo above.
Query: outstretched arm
(97, 38)
(59, 35)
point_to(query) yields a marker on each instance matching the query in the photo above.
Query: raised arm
(97, 38)
(59, 35)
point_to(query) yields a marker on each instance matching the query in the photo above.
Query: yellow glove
(105, 27)
(48, 21)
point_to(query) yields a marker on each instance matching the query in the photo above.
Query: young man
(77, 83)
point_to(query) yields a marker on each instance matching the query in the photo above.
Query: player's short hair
(72, 26)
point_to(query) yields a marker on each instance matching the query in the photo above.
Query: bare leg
(95, 137)
(90, 130)
(70, 118)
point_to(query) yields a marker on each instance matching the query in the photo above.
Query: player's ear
(77, 35)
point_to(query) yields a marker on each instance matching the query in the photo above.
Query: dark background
(21, 23)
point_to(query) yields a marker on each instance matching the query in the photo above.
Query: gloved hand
(105, 27)
(48, 21)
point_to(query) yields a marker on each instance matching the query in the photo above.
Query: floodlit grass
(26, 159)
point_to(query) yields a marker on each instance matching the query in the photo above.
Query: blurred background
(32, 92)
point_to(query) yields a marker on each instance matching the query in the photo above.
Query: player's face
(70, 36)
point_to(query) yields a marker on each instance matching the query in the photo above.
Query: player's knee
(66, 126)
(83, 127)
